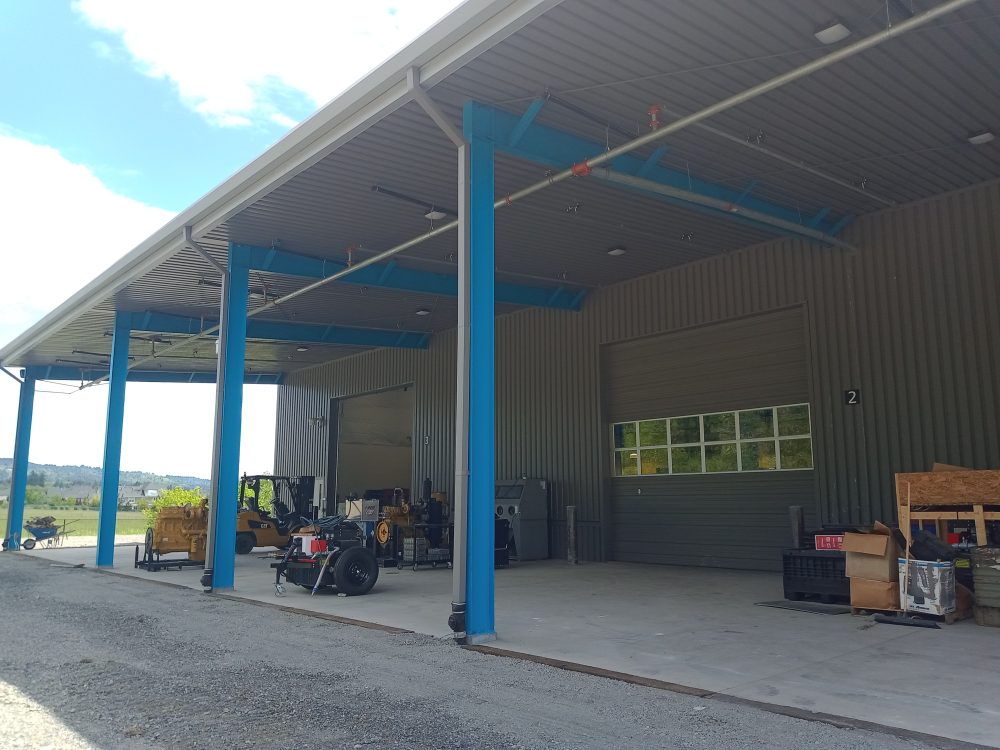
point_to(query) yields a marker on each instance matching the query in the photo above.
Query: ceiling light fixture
(435, 215)
(617, 251)
(980, 137)
(833, 32)
(302, 348)
(423, 311)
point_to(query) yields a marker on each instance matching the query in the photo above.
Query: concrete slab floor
(691, 626)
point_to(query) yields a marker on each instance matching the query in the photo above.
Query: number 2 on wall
(852, 396)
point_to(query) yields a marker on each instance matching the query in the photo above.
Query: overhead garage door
(710, 441)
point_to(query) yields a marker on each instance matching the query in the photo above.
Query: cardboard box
(867, 594)
(829, 541)
(930, 588)
(872, 556)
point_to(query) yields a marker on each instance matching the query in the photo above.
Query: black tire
(355, 571)
(245, 543)
(147, 551)
(28, 544)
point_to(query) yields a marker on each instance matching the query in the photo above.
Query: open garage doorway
(372, 438)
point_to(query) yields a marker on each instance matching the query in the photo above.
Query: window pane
(626, 463)
(756, 423)
(759, 455)
(653, 432)
(685, 430)
(793, 420)
(654, 461)
(686, 460)
(720, 427)
(720, 457)
(625, 435)
(796, 454)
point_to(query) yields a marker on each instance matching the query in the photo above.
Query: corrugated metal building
(745, 258)
(912, 322)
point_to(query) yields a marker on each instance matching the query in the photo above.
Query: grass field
(84, 522)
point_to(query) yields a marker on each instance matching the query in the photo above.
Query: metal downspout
(220, 369)
(456, 620)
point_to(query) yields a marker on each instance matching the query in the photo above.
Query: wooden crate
(943, 496)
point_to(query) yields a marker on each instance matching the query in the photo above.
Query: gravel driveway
(92, 660)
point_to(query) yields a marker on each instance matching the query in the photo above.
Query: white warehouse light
(832, 33)
(980, 137)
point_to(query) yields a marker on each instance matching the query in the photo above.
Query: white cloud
(240, 61)
(64, 226)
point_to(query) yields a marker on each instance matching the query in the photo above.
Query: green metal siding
(912, 319)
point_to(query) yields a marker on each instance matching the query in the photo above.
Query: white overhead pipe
(586, 167)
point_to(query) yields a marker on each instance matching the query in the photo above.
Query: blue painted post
(19, 474)
(479, 618)
(227, 487)
(113, 440)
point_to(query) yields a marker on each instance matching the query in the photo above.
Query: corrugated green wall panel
(912, 319)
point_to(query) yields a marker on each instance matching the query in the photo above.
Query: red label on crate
(829, 541)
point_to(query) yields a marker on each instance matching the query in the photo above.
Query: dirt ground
(96, 660)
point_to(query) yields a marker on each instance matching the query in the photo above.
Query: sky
(114, 116)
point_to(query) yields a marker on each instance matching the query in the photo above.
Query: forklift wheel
(245, 543)
(355, 571)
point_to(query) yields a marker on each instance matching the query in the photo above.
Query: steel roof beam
(556, 148)
(392, 276)
(299, 333)
(58, 372)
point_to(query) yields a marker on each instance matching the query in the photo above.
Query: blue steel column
(479, 617)
(19, 474)
(113, 441)
(227, 486)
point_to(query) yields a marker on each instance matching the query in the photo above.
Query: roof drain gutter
(456, 620)
(213, 492)
(586, 167)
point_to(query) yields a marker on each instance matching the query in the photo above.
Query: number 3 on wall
(852, 396)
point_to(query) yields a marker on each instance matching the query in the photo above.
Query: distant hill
(73, 480)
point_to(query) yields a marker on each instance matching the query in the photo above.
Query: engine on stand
(415, 533)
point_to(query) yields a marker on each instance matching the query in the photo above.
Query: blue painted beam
(391, 276)
(558, 149)
(19, 470)
(113, 441)
(841, 225)
(230, 428)
(653, 160)
(77, 374)
(526, 120)
(289, 332)
(820, 215)
(479, 588)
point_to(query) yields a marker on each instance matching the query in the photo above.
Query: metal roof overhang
(887, 126)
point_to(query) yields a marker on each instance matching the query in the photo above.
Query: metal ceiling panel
(886, 126)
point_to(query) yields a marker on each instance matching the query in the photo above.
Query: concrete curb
(842, 722)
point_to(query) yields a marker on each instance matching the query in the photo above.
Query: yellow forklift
(271, 509)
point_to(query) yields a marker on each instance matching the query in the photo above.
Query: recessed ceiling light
(423, 311)
(302, 348)
(616, 251)
(832, 33)
(980, 137)
(435, 215)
